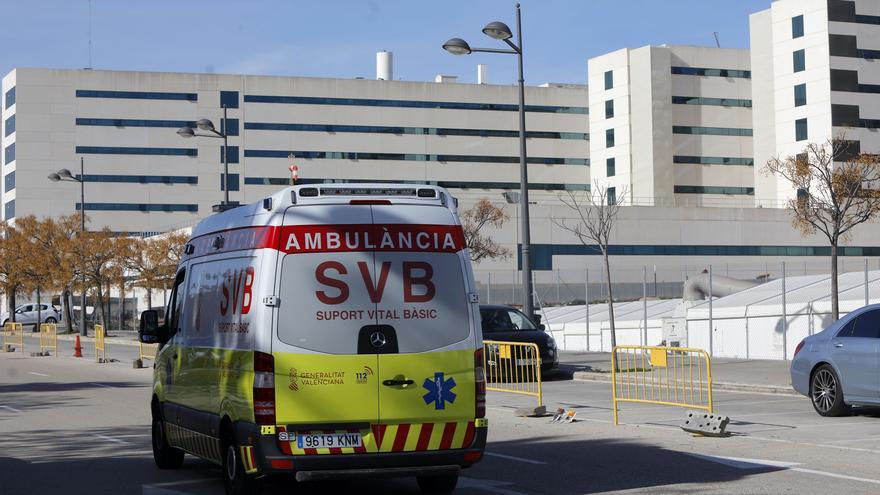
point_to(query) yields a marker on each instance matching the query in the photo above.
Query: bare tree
(480, 244)
(836, 190)
(595, 216)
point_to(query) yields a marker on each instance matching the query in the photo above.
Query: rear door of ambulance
(427, 393)
(326, 392)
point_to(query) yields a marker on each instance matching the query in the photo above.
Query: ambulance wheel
(166, 456)
(235, 479)
(437, 484)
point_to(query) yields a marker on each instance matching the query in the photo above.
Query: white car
(26, 314)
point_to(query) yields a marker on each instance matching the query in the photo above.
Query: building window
(434, 131)
(609, 167)
(797, 26)
(229, 99)
(138, 207)
(355, 155)
(612, 196)
(119, 150)
(233, 154)
(609, 79)
(800, 129)
(136, 123)
(233, 182)
(448, 105)
(800, 95)
(9, 210)
(722, 102)
(136, 95)
(10, 97)
(711, 131)
(799, 60)
(10, 125)
(9, 181)
(729, 190)
(230, 126)
(9, 156)
(708, 72)
(142, 179)
(609, 138)
(714, 160)
(609, 109)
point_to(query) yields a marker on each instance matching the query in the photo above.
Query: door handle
(838, 344)
(392, 383)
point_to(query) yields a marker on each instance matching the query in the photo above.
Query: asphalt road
(73, 426)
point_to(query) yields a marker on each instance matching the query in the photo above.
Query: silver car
(26, 314)
(840, 366)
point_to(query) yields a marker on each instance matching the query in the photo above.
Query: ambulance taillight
(264, 389)
(480, 376)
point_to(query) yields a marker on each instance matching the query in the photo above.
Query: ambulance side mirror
(149, 331)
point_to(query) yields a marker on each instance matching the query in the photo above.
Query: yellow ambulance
(327, 331)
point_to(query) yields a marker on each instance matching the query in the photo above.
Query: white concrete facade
(681, 118)
(124, 126)
(838, 40)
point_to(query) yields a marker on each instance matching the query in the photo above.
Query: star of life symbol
(439, 391)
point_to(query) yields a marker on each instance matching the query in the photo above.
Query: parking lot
(75, 426)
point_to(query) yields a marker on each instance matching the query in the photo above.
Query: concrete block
(137, 364)
(705, 423)
(531, 412)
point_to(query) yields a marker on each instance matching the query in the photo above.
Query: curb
(587, 376)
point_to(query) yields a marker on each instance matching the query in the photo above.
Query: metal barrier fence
(100, 353)
(13, 334)
(513, 367)
(668, 376)
(147, 351)
(49, 337)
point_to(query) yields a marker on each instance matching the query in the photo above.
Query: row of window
(346, 155)
(536, 186)
(728, 190)
(10, 125)
(845, 11)
(141, 179)
(541, 255)
(711, 131)
(136, 95)
(714, 160)
(701, 71)
(449, 105)
(843, 45)
(231, 129)
(439, 131)
(848, 80)
(120, 150)
(146, 207)
(722, 102)
(10, 97)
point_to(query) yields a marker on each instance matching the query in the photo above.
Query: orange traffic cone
(77, 348)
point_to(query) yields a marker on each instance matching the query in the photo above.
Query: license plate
(329, 440)
(525, 362)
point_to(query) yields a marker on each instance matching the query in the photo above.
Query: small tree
(10, 278)
(595, 217)
(480, 244)
(154, 261)
(836, 190)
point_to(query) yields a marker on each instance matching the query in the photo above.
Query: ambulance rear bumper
(334, 466)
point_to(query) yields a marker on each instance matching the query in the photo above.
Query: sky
(339, 38)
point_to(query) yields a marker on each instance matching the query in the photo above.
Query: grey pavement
(756, 375)
(73, 426)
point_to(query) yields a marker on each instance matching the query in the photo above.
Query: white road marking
(741, 463)
(10, 409)
(101, 385)
(512, 458)
(111, 439)
(488, 485)
(37, 374)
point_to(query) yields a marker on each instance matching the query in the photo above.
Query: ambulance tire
(437, 484)
(166, 456)
(235, 480)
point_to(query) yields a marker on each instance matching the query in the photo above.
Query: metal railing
(667, 376)
(100, 352)
(513, 367)
(13, 335)
(49, 338)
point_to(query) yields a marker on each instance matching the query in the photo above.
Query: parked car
(26, 314)
(840, 366)
(511, 325)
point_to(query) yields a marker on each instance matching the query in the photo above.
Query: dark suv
(511, 325)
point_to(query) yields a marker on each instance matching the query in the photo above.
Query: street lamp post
(64, 175)
(457, 46)
(208, 126)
